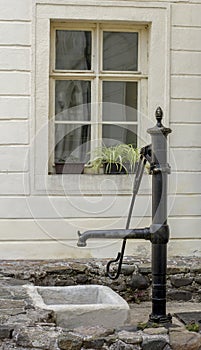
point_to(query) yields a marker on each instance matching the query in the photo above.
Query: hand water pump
(158, 232)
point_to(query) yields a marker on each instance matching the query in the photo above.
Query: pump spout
(138, 233)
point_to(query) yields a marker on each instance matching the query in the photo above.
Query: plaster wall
(45, 225)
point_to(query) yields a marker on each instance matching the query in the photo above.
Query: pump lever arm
(137, 181)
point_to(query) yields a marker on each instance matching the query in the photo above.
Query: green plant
(193, 327)
(122, 155)
(130, 155)
(142, 325)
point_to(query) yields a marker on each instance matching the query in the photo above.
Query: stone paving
(24, 327)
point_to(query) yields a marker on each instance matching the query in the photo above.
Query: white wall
(186, 118)
(41, 226)
(15, 74)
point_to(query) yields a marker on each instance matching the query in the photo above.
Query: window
(150, 80)
(97, 78)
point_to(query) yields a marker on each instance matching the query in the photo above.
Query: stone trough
(81, 305)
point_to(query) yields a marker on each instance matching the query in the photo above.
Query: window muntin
(85, 92)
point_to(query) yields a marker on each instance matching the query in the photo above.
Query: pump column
(159, 228)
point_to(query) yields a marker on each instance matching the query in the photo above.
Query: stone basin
(81, 305)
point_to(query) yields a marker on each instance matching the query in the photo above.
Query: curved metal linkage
(119, 258)
(120, 255)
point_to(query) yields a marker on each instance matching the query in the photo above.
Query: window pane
(72, 100)
(73, 50)
(114, 134)
(72, 143)
(119, 101)
(120, 51)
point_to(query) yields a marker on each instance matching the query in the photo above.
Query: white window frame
(155, 88)
(97, 76)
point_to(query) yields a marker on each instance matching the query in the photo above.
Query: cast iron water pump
(158, 233)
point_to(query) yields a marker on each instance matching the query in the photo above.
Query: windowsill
(96, 185)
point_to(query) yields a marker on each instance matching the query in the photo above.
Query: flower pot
(69, 168)
(113, 169)
(116, 169)
(89, 170)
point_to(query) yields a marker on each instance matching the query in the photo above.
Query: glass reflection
(72, 100)
(120, 101)
(73, 50)
(114, 134)
(72, 142)
(120, 51)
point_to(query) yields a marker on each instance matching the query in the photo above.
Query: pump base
(160, 318)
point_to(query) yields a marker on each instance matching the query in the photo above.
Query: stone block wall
(134, 283)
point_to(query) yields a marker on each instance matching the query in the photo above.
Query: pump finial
(159, 116)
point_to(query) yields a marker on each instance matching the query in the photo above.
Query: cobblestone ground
(24, 327)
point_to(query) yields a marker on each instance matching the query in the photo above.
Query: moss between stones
(193, 327)
(142, 326)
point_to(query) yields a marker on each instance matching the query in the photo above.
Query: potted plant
(70, 166)
(119, 159)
